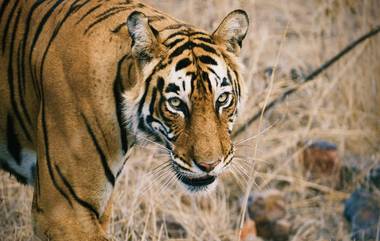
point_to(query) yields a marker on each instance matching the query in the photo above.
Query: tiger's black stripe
(147, 129)
(176, 26)
(237, 83)
(232, 102)
(172, 88)
(14, 147)
(159, 88)
(207, 60)
(73, 8)
(24, 43)
(107, 170)
(179, 50)
(174, 43)
(225, 82)
(105, 17)
(89, 12)
(6, 28)
(74, 195)
(141, 104)
(190, 45)
(205, 39)
(117, 92)
(21, 86)
(183, 63)
(109, 11)
(153, 100)
(3, 7)
(40, 27)
(230, 81)
(213, 71)
(205, 84)
(37, 180)
(207, 48)
(192, 82)
(152, 19)
(46, 149)
(11, 80)
(122, 167)
(184, 33)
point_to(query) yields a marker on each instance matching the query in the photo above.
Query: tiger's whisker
(251, 160)
(155, 148)
(153, 142)
(241, 170)
(166, 184)
(150, 185)
(164, 164)
(257, 135)
(156, 173)
(236, 175)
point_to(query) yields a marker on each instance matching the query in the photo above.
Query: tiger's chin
(199, 185)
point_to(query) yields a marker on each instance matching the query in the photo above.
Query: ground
(286, 41)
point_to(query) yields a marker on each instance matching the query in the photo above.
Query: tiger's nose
(207, 167)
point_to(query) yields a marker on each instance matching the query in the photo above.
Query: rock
(266, 206)
(362, 211)
(268, 211)
(352, 176)
(374, 177)
(277, 231)
(320, 161)
(248, 232)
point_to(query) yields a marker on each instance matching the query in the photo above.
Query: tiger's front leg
(74, 179)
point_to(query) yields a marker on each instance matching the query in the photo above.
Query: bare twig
(308, 78)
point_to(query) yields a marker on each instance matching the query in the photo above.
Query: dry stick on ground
(308, 78)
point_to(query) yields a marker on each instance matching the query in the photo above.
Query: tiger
(83, 81)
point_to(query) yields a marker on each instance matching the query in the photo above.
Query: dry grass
(341, 105)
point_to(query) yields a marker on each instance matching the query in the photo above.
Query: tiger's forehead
(190, 43)
(192, 74)
(193, 63)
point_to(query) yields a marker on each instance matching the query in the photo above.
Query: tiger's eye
(175, 102)
(223, 98)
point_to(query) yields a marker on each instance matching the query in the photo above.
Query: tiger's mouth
(193, 182)
(197, 182)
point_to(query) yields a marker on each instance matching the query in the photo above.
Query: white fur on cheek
(177, 78)
(131, 99)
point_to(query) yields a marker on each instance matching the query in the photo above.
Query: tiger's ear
(232, 31)
(145, 45)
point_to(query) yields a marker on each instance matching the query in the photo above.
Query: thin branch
(308, 78)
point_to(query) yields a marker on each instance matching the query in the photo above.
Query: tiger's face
(194, 108)
(186, 94)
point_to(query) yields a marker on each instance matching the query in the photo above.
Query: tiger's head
(183, 90)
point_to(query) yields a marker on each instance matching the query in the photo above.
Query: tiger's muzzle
(199, 176)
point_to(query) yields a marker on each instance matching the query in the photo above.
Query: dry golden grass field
(342, 105)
